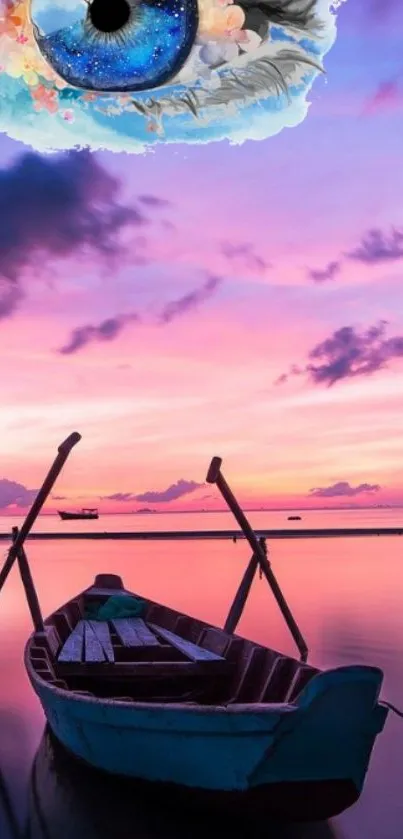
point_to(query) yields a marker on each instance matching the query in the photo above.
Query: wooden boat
(134, 688)
(85, 513)
(67, 800)
(171, 699)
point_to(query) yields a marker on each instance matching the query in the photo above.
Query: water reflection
(345, 593)
(69, 801)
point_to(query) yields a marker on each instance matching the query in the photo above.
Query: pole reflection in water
(66, 800)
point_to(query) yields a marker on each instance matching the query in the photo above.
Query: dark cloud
(12, 493)
(173, 492)
(53, 207)
(343, 488)
(189, 301)
(377, 246)
(10, 296)
(244, 256)
(154, 201)
(347, 354)
(322, 275)
(107, 330)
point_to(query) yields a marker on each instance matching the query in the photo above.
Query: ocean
(346, 594)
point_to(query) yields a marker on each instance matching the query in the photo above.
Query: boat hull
(68, 800)
(309, 758)
(77, 516)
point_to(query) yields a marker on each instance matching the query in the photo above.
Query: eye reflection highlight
(116, 45)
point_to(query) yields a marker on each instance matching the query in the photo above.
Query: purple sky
(237, 300)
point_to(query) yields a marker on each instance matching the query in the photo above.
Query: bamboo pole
(61, 457)
(214, 476)
(29, 586)
(238, 604)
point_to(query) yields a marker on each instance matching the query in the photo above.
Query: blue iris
(116, 45)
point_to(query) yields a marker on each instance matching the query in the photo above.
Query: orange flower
(10, 26)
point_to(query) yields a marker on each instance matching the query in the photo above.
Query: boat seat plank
(145, 669)
(72, 649)
(92, 647)
(192, 651)
(93, 650)
(133, 632)
(101, 630)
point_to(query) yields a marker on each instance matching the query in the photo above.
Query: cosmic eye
(115, 45)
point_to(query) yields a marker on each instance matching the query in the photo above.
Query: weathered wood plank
(192, 651)
(144, 633)
(101, 630)
(92, 648)
(133, 632)
(126, 633)
(72, 649)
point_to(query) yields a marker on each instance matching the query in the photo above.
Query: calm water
(347, 596)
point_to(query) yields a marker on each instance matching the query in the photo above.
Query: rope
(392, 708)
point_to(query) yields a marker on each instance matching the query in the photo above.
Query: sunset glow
(223, 300)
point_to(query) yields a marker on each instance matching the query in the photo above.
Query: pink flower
(45, 99)
(68, 115)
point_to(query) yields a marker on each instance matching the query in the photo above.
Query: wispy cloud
(107, 330)
(189, 301)
(110, 328)
(343, 488)
(243, 255)
(154, 201)
(347, 354)
(172, 492)
(322, 275)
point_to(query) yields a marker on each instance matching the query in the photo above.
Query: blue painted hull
(327, 735)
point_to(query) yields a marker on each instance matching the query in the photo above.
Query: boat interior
(160, 656)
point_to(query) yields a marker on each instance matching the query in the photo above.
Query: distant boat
(144, 510)
(85, 513)
(294, 518)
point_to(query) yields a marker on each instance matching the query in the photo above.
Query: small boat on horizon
(84, 513)
(294, 518)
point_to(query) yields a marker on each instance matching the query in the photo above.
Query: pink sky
(158, 399)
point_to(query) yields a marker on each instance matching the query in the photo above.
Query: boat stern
(332, 735)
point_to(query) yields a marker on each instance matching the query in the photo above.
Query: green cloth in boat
(116, 606)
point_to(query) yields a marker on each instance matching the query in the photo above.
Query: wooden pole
(61, 457)
(29, 586)
(238, 605)
(214, 476)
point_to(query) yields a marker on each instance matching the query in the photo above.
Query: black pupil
(109, 15)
